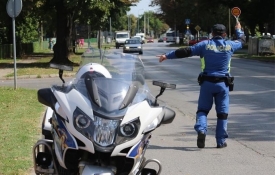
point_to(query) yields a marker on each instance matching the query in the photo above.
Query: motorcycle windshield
(112, 81)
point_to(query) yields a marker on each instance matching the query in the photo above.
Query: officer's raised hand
(238, 25)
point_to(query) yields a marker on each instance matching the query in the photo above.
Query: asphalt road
(251, 143)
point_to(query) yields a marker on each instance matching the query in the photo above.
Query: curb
(38, 76)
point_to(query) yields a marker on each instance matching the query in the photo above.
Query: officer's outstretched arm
(179, 53)
(183, 52)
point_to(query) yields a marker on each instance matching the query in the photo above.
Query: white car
(142, 35)
(137, 37)
(132, 46)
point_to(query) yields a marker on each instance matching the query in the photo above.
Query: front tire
(147, 171)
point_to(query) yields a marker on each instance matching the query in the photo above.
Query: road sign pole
(14, 8)
(14, 53)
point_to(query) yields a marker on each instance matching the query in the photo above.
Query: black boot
(222, 145)
(201, 140)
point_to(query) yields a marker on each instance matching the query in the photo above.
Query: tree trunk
(99, 39)
(63, 30)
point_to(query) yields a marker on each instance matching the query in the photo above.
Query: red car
(195, 41)
(150, 40)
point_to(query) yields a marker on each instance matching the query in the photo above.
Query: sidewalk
(5, 71)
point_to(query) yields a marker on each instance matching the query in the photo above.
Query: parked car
(150, 40)
(195, 40)
(160, 40)
(133, 46)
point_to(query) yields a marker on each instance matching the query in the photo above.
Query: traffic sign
(198, 28)
(236, 11)
(14, 8)
(188, 32)
(187, 21)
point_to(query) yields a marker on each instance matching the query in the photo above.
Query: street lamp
(148, 25)
(129, 22)
(144, 27)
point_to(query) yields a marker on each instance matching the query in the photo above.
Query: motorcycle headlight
(128, 131)
(83, 123)
(100, 131)
(105, 131)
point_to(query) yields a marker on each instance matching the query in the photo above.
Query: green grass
(20, 116)
(38, 64)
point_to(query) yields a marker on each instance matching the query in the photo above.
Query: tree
(26, 23)
(155, 24)
(59, 17)
(205, 14)
(86, 12)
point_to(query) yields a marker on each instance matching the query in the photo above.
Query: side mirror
(46, 97)
(169, 116)
(164, 85)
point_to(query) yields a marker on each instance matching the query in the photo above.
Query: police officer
(215, 79)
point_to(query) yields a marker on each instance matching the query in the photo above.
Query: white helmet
(94, 69)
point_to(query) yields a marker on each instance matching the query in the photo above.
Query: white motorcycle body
(100, 123)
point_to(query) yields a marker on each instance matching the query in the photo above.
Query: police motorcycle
(101, 121)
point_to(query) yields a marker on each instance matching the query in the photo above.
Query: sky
(142, 6)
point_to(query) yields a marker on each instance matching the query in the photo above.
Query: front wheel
(147, 171)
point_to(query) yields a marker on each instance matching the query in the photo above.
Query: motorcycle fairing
(69, 106)
(46, 125)
(68, 103)
(63, 139)
(138, 151)
(146, 114)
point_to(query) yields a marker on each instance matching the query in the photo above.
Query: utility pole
(229, 23)
(138, 24)
(138, 19)
(148, 26)
(144, 27)
(128, 23)
(110, 27)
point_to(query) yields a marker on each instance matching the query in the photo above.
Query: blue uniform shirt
(215, 54)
